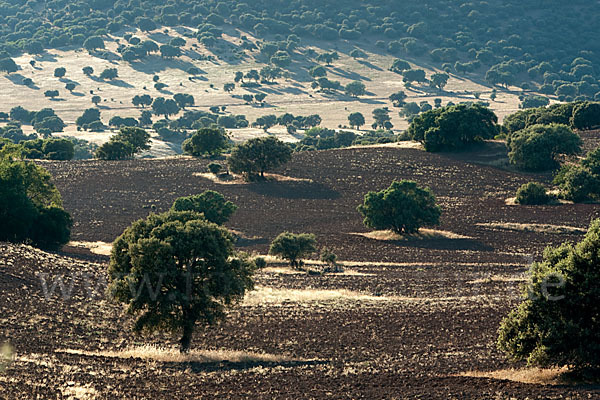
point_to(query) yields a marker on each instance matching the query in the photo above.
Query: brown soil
(411, 323)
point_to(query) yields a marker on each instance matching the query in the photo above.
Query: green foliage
(109, 73)
(206, 141)
(30, 206)
(439, 80)
(166, 107)
(355, 89)
(586, 115)
(318, 138)
(356, 120)
(453, 127)
(176, 270)
(90, 115)
(138, 138)
(578, 183)
(211, 204)
(215, 168)
(556, 324)
(256, 156)
(114, 150)
(534, 101)
(532, 193)
(382, 118)
(404, 207)
(537, 147)
(293, 247)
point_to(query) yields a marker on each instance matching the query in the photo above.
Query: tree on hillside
(355, 89)
(229, 87)
(439, 80)
(212, 205)
(183, 100)
(166, 107)
(143, 100)
(206, 141)
(70, 86)
(59, 72)
(168, 51)
(398, 98)
(536, 147)
(184, 271)
(51, 93)
(256, 156)
(8, 65)
(138, 138)
(318, 71)
(414, 75)
(96, 99)
(88, 70)
(109, 73)
(556, 323)
(293, 247)
(90, 115)
(356, 120)
(404, 207)
(382, 118)
(114, 150)
(399, 66)
(93, 43)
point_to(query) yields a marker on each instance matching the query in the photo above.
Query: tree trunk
(186, 339)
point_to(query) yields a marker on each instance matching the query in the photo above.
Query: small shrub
(532, 193)
(215, 168)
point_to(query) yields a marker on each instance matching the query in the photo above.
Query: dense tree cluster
(503, 40)
(453, 127)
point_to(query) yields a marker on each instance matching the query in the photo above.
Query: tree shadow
(351, 75)
(47, 57)
(77, 94)
(293, 190)
(369, 65)
(154, 64)
(439, 243)
(17, 79)
(160, 37)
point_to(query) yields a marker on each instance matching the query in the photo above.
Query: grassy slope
(292, 95)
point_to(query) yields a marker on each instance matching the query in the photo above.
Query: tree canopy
(256, 156)
(176, 270)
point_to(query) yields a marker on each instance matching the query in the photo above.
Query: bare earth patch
(538, 228)
(164, 354)
(388, 235)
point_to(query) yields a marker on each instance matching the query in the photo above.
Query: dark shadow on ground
(293, 190)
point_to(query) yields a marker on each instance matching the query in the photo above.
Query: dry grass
(498, 278)
(101, 248)
(388, 235)
(164, 354)
(538, 228)
(273, 296)
(233, 179)
(6, 356)
(530, 375)
(79, 392)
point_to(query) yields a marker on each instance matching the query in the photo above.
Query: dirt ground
(411, 318)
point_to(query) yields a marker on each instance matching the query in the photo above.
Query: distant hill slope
(550, 44)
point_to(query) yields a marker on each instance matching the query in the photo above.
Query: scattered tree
(356, 120)
(206, 141)
(192, 264)
(404, 207)
(258, 155)
(532, 193)
(293, 247)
